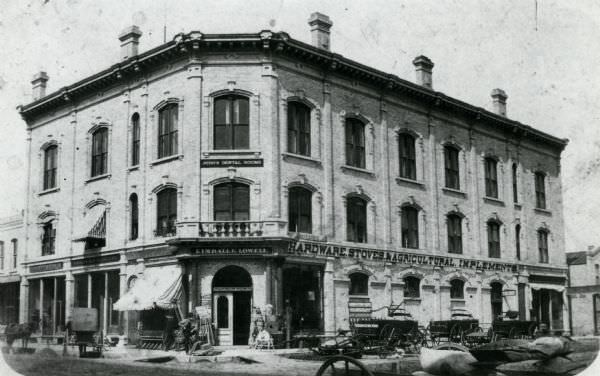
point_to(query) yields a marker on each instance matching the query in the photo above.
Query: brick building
(583, 291)
(240, 170)
(12, 236)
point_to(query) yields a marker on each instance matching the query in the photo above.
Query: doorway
(232, 303)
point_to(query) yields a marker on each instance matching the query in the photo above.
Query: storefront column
(194, 288)
(54, 306)
(105, 305)
(329, 297)
(24, 301)
(89, 292)
(479, 308)
(41, 307)
(437, 294)
(69, 296)
(525, 299)
(268, 282)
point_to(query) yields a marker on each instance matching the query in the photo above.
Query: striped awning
(94, 225)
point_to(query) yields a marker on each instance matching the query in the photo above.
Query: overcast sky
(543, 53)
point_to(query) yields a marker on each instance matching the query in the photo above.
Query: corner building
(253, 169)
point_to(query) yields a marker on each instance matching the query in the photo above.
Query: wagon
(454, 330)
(83, 332)
(524, 329)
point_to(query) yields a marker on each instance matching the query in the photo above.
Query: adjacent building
(583, 291)
(12, 238)
(232, 171)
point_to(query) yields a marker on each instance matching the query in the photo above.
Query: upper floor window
(451, 167)
(406, 151)
(100, 152)
(356, 220)
(15, 244)
(454, 225)
(457, 289)
(50, 166)
(543, 246)
(412, 287)
(514, 183)
(135, 139)
(496, 299)
(298, 128)
(355, 143)
(1, 255)
(540, 190)
(231, 123)
(493, 232)
(167, 130)
(518, 241)
(232, 202)
(410, 227)
(166, 212)
(134, 220)
(491, 178)
(300, 210)
(48, 238)
(359, 284)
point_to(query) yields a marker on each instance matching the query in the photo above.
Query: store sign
(96, 260)
(231, 163)
(330, 250)
(45, 267)
(231, 251)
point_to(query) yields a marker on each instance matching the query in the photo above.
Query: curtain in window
(300, 210)
(232, 202)
(166, 212)
(231, 123)
(356, 219)
(454, 233)
(167, 130)
(451, 167)
(100, 152)
(406, 144)
(493, 230)
(50, 166)
(491, 178)
(410, 227)
(355, 143)
(298, 128)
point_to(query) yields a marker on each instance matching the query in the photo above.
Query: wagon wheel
(386, 332)
(512, 333)
(454, 335)
(491, 334)
(343, 365)
(452, 346)
(531, 330)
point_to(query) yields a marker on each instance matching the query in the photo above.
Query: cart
(523, 329)
(456, 330)
(84, 332)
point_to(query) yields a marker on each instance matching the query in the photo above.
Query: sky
(544, 54)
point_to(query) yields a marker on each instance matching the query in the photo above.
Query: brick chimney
(423, 68)
(499, 101)
(39, 85)
(319, 28)
(130, 38)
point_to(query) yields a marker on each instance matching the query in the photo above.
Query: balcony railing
(166, 231)
(230, 229)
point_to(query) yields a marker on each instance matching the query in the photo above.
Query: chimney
(130, 38)
(499, 102)
(319, 28)
(39, 85)
(423, 67)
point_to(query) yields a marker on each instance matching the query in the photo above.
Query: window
(355, 143)
(300, 210)
(298, 128)
(135, 139)
(231, 123)
(491, 178)
(133, 206)
(410, 227)
(454, 233)
(518, 241)
(493, 232)
(514, 183)
(406, 151)
(543, 246)
(451, 167)
(496, 299)
(100, 152)
(50, 166)
(1, 255)
(359, 284)
(356, 220)
(167, 130)
(232, 202)
(15, 244)
(166, 213)
(457, 289)
(48, 238)
(411, 287)
(540, 190)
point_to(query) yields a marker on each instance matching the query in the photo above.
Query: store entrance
(547, 307)
(232, 303)
(302, 293)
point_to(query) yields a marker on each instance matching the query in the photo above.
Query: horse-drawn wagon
(456, 330)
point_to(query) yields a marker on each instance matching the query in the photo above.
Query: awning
(94, 225)
(160, 286)
(547, 286)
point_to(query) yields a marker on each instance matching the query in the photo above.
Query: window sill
(401, 180)
(133, 168)
(166, 159)
(415, 300)
(542, 211)
(99, 177)
(301, 157)
(48, 191)
(457, 300)
(518, 206)
(453, 191)
(256, 153)
(347, 168)
(359, 296)
(493, 200)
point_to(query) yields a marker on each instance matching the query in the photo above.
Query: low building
(12, 236)
(583, 292)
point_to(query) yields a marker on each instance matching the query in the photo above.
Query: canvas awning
(547, 286)
(94, 225)
(160, 286)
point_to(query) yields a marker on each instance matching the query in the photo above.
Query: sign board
(231, 251)
(84, 319)
(45, 267)
(254, 162)
(95, 260)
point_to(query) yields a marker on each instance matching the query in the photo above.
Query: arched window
(166, 212)
(167, 130)
(15, 244)
(406, 151)
(48, 239)
(356, 220)
(491, 177)
(135, 139)
(298, 128)
(1, 255)
(496, 299)
(231, 202)
(134, 219)
(300, 210)
(540, 190)
(515, 186)
(452, 172)
(231, 122)
(410, 227)
(100, 152)
(457, 289)
(359, 284)
(50, 166)
(355, 143)
(493, 232)
(518, 241)
(454, 227)
(412, 287)
(543, 246)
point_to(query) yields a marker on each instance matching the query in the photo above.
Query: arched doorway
(232, 303)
